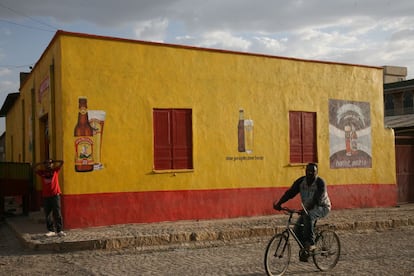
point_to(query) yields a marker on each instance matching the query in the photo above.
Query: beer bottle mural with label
(83, 139)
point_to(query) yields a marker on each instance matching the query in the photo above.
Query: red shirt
(50, 183)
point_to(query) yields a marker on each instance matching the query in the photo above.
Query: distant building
(9, 103)
(399, 98)
(394, 74)
(2, 147)
(399, 115)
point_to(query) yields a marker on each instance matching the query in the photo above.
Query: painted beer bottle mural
(245, 133)
(83, 139)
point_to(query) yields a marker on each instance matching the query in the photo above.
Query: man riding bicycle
(315, 200)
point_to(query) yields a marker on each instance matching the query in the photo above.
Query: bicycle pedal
(305, 260)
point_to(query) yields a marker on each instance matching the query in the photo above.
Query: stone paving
(204, 233)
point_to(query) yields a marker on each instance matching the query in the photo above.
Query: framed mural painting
(349, 134)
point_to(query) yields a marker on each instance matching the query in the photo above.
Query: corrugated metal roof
(399, 85)
(8, 103)
(400, 121)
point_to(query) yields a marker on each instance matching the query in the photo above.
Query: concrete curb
(184, 239)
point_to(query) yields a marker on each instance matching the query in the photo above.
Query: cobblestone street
(369, 252)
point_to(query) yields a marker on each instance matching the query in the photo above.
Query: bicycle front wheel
(328, 250)
(277, 256)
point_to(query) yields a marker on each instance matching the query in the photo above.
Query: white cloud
(152, 30)
(4, 72)
(368, 32)
(6, 87)
(222, 39)
(184, 38)
(271, 45)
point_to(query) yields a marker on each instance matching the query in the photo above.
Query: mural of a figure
(349, 134)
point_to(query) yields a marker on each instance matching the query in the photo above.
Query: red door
(405, 172)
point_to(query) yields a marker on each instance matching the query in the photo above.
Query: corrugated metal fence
(16, 179)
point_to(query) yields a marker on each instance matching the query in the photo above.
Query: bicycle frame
(289, 231)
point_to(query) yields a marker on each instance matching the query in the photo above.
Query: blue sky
(369, 32)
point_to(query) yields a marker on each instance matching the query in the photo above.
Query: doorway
(404, 155)
(44, 138)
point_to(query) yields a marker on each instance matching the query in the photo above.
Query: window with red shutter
(295, 131)
(302, 132)
(173, 147)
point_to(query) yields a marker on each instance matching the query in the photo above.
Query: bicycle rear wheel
(277, 256)
(328, 250)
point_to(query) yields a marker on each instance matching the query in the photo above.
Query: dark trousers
(304, 227)
(52, 213)
(304, 230)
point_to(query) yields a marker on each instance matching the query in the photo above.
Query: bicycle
(278, 251)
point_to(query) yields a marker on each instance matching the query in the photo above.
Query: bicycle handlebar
(291, 211)
(294, 211)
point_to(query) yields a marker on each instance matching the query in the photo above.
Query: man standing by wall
(49, 172)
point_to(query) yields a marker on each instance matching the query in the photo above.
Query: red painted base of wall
(120, 208)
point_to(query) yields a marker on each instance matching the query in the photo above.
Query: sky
(367, 32)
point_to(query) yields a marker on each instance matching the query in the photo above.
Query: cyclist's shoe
(303, 256)
(50, 234)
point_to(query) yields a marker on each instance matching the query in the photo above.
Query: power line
(9, 66)
(27, 26)
(29, 17)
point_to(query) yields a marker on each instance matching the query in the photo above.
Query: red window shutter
(162, 139)
(295, 133)
(309, 137)
(302, 130)
(182, 139)
(173, 147)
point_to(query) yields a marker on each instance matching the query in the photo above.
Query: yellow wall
(23, 119)
(129, 79)
(14, 144)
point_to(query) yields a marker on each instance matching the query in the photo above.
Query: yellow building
(175, 132)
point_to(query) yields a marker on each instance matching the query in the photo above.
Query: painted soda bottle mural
(248, 136)
(240, 129)
(354, 141)
(351, 140)
(83, 139)
(348, 140)
(245, 133)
